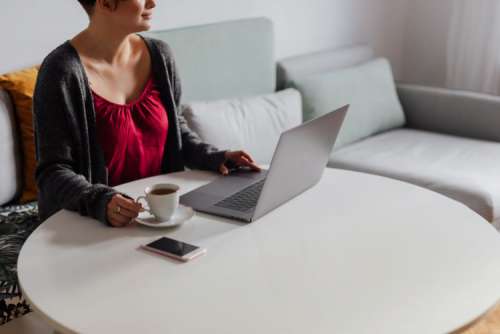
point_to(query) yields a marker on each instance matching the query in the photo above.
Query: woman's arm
(198, 154)
(55, 104)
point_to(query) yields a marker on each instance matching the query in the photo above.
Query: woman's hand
(240, 159)
(121, 210)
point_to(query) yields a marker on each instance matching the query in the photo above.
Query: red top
(132, 135)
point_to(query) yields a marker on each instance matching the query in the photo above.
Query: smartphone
(176, 249)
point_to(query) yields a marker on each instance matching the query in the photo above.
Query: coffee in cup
(162, 191)
(162, 200)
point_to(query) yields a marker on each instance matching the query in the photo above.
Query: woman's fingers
(249, 163)
(128, 204)
(118, 220)
(246, 155)
(240, 154)
(241, 159)
(253, 166)
(223, 170)
(127, 213)
(121, 211)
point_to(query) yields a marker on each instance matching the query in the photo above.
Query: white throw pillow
(368, 88)
(253, 124)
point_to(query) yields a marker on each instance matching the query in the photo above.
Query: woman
(106, 109)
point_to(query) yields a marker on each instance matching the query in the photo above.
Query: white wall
(29, 29)
(425, 48)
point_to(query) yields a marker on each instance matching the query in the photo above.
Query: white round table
(355, 254)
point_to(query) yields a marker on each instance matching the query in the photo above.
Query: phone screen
(172, 246)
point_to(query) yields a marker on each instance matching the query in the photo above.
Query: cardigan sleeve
(196, 153)
(57, 99)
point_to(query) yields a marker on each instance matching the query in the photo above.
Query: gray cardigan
(71, 171)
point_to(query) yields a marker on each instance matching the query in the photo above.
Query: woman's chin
(145, 26)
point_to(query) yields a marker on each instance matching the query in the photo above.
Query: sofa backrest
(294, 68)
(10, 164)
(224, 60)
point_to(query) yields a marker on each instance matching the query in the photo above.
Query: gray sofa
(449, 143)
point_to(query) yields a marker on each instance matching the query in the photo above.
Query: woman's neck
(108, 44)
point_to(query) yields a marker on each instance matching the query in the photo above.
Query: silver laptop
(298, 164)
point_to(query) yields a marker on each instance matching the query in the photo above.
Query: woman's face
(131, 16)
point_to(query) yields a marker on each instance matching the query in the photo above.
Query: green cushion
(368, 88)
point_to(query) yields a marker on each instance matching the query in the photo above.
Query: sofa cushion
(461, 168)
(294, 68)
(20, 86)
(369, 89)
(10, 164)
(253, 124)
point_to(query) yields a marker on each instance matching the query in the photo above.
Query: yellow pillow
(20, 86)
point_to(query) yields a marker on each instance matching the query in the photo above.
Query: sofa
(443, 140)
(448, 143)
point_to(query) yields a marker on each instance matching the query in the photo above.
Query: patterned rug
(16, 224)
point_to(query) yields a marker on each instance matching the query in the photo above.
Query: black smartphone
(174, 248)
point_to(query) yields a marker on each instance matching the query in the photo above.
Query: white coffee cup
(162, 200)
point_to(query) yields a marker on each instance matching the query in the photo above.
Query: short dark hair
(89, 5)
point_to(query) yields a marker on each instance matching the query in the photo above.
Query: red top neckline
(133, 135)
(141, 97)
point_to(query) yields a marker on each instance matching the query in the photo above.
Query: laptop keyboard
(244, 199)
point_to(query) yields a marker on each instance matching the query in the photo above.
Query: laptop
(297, 165)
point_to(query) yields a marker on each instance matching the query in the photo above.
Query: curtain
(473, 53)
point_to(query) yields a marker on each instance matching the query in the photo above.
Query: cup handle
(145, 206)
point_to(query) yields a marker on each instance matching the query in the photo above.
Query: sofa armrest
(459, 113)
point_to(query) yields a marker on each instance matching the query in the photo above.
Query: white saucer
(181, 215)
